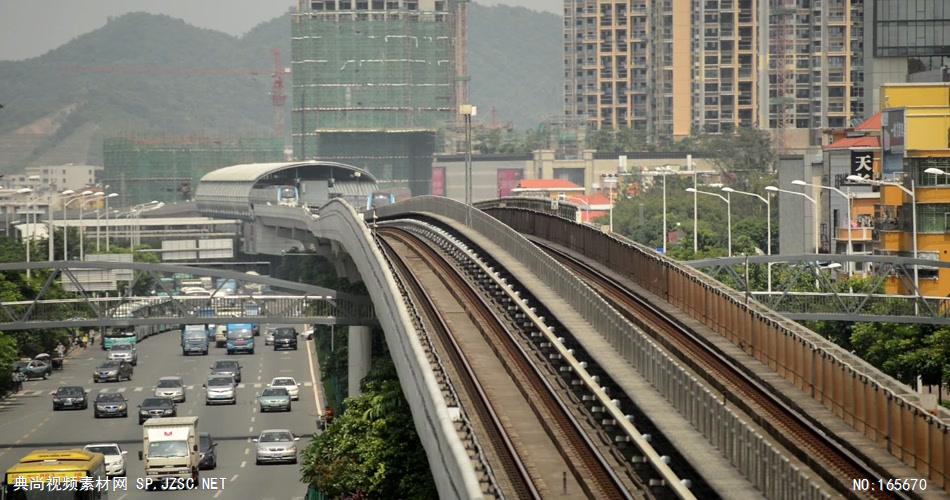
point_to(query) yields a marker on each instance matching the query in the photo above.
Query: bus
(113, 337)
(35, 475)
(240, 338)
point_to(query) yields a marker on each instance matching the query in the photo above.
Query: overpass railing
(868, 400)
(721, 426)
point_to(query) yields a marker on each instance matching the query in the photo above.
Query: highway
(28, 422)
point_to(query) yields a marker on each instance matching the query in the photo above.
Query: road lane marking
(258, 386)
(250, 429)
(137, 389)
(313, 380)
(307, 384)
(234, 478)
(247, 451)
(241, 386)
(216, 495)
(190, 387)
(252, 419)
(125, 495)
(122, 389)
(243, 463)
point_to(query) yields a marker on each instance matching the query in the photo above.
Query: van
(220, 335)
(194, 339)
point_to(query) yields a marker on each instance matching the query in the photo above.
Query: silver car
(276, 445)
(220, 389)
(269, 335)
(172, 388)
(123, 352)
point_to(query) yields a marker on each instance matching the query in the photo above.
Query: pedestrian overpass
(288, 302)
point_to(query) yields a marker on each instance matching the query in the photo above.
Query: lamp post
(29, 226)
(812, 200)
(728, 211)
(847, 198)
(52, 231)
(82, 233)
(610, 181)
(110, 195)
(913, 217)
(81, 196)
(468, 111)
(768, 226)
(137, 210)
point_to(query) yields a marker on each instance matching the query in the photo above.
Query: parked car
(157, 408)
(208, 451)
(171, 387)
(113, 370)
(227, 367)
(276, 445)
(35, 369)
(110, 404)
(274, 398)
(285, 338)
(293, 388)
(115, 457)
(56, 363)
(70, 397)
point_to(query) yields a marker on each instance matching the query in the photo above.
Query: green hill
(151, 74)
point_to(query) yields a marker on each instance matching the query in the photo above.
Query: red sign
(508, 179)
(438, 181)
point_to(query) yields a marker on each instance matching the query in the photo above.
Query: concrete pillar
(359, 349)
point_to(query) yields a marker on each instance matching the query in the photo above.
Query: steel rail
(836, 463)
(511, 462)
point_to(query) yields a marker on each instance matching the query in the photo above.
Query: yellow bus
(57, 475)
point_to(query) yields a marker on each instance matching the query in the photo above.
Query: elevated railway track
(551, 448)
(829, 458)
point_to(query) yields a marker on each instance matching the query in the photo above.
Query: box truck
(170, 452)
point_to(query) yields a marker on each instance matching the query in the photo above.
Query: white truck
(170, 451)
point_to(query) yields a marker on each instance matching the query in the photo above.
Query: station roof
(253, 172)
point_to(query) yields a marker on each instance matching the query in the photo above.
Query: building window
(933, 217)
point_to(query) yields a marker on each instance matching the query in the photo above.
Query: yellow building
(916, 137)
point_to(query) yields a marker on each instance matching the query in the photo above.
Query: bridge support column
(359, 349)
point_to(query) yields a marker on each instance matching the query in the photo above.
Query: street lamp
(82, 233)
(81, 196)
(52, 231)
(812, 200)
(610, 181)
(110, 195)
(468, 111)
(728, 211)
(847, 198)
(29, 227)
(936, 171)
(768, 226)
(913, 216)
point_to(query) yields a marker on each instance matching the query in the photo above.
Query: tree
(371, 450)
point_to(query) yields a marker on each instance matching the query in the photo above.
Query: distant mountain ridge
(152, 74)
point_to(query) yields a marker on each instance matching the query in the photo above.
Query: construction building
(167, 169)
(377, 83)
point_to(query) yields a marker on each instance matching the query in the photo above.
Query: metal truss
(303, 304)
(832, 300)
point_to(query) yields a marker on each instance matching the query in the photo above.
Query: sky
(30, 28)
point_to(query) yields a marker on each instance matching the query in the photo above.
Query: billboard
(438, 181)
(893, 138)
(862, 164)
(508, 179)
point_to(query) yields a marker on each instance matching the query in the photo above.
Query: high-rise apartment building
(375, 82)
(672, 68)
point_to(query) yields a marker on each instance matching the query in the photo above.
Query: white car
(123, 352)
(115, 457)
(269, 336)
(293, 388)
(276, 445)
(171, 387)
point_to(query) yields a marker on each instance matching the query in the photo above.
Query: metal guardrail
(761, 463)
(909, 431)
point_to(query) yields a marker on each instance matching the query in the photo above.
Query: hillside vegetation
(152, 74)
